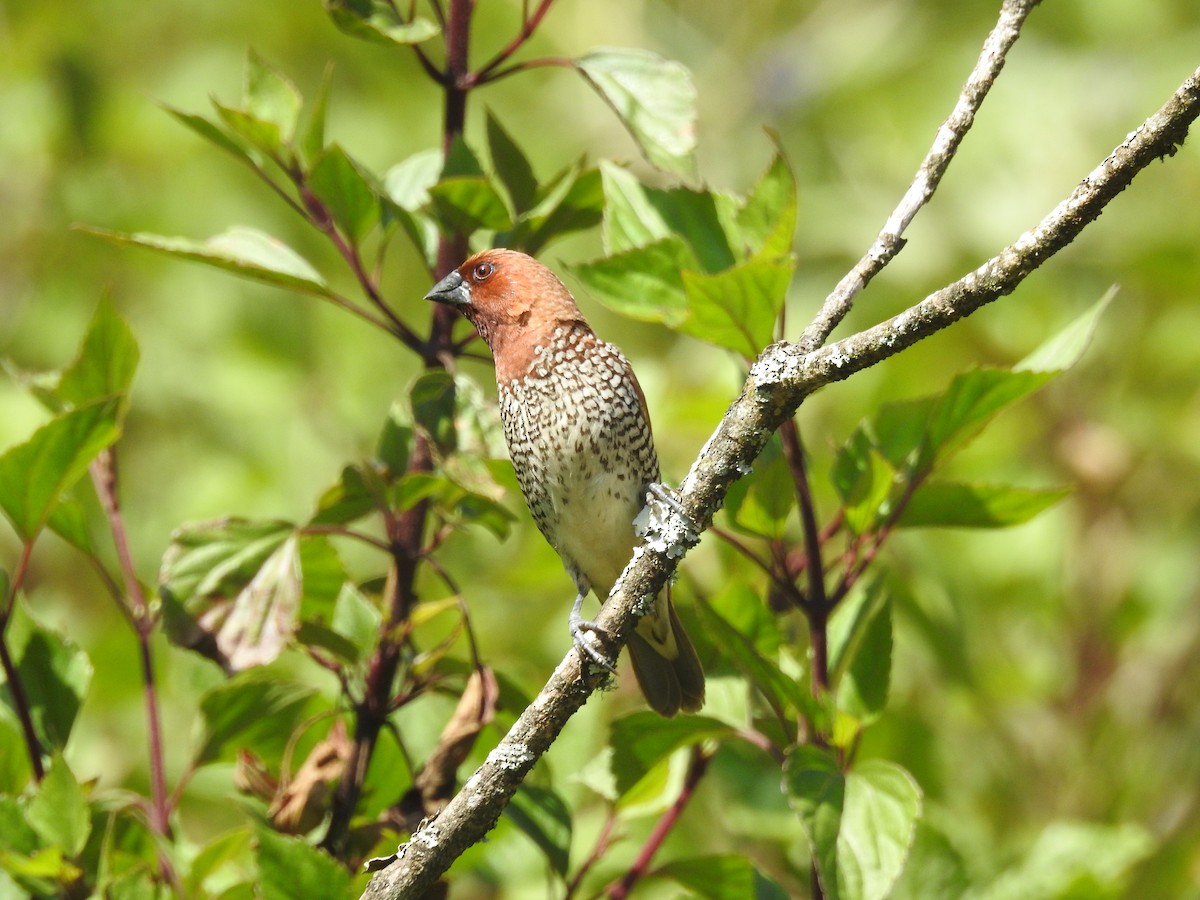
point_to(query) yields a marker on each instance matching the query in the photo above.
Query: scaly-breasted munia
(579, 437)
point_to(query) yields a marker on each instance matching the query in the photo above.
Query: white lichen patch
(511, 757)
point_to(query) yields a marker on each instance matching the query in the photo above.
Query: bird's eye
(482, 270)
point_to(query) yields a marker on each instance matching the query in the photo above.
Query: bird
(579, 437)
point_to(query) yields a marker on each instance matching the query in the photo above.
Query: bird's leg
(653, 522)
(579, 634)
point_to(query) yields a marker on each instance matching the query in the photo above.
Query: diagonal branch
(784, 375)
(945, 144)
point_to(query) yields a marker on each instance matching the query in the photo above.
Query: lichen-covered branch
(779, 381)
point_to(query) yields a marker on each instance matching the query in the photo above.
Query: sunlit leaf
(466, 204)
(767, 219)
(737, 308)
(762, 503)
(630, 219)
(379, 21)
(312, 141)
(511, 165)
(217, 134)
(642, 740)
(33, 475)
(645, 283)
(574, 202)
(864, 480)
(1067, 347)
(655, 100)
(433, 402)
(244, 251)
(106, 363)
(270, 97)
(347, 190)
(942, 504)
(59, 809)
(862, 688)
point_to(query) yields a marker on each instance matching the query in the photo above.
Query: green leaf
(33, 475)
(241, 250)
(464, 204)
(312, 141)
(15, 831)
(348, 190)
(358, 492)
(54, 672)
(644, 283)
(260, 620)
(762, 503)
(1075, 860)
(378, 21)
(782, 693)
(767, 220)
(433, 401)
(573, 202)
(712, 877)
(59, 811)
(545, 819)
(942, 504)
(737, 308)
(407, 185)
(511, 165)
(395, 441)
(262, 135)
(106, 363)
(859, 825)
(229, 141)
(865, 653)
(864, 480)
(1067, 347)
(934, 871)
(254, 710)
(900, 428)
(972, 399)
(642, 740)
(290, 867)
(655, 100)
(15, 772)
(636, 215)
(269, 97)
(358, 620)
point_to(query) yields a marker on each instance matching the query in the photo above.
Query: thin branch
(779, 381)
(529, 25)
(945, 144)
(12, 678)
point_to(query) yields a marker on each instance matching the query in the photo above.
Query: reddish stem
(16, 687)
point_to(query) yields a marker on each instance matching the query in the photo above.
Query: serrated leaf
(106, 363)
(943, 504)
(379, 21)
(546, 820)
(464, 204)
(655, 100)
(270, 97)
(58, 810)
(511, 165)
(642, 740)
(289, 867)
(255, 626)
(737, 308)
(859, 825)
(244, 251)
(630, 219)
(34, 474)
(1067, 347)
(644, 283)
(255, 709)
(54, 672)
(347, 190)
(766, 221)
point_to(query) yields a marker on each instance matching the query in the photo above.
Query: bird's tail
(665, 662)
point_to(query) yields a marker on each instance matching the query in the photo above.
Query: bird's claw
(583, 633)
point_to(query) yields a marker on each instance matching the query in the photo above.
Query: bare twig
(945, 144)
(779, 381)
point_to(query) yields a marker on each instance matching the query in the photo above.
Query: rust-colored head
(513, 301)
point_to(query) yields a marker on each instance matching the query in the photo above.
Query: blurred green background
(1049, 672)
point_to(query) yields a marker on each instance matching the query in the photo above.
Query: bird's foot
(584, 634)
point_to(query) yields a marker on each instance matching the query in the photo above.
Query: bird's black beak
(452, 290)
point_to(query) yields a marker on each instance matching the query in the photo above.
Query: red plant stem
(12, 677)
(104, 477)
(696, 769)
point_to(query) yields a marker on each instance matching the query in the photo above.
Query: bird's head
(512, 299)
